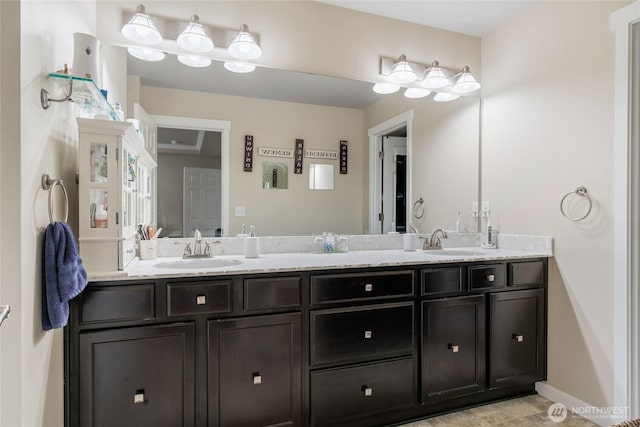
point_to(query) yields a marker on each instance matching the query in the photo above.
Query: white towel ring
(50, 184)
(581, 192)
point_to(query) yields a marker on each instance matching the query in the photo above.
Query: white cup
(409, 241)
(251, 247)
(148, 249)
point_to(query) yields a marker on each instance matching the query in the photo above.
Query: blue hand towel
(63, 276)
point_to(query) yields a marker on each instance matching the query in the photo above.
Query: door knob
(453, 348)
(518, 338)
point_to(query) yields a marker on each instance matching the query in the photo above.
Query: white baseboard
(587, 411)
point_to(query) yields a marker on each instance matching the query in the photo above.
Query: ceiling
(473, 17)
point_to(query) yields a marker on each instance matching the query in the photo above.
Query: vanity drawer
(527, 273)
(487, 276)
(446, 280)
(361, 287)
(117, 303)
(338, 394)
(276, 292)
(198, 298)
(363, 333)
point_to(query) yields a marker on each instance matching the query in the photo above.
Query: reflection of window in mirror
(275, 176)
(320, 177)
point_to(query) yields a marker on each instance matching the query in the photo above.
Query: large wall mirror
(277, 107)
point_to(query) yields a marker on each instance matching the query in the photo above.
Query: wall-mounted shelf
(80, 90)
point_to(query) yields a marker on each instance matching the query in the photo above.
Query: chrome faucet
(197, 242)
(434, 240)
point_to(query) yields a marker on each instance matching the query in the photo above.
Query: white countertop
(282, 262)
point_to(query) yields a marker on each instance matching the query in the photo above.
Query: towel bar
(50, 184)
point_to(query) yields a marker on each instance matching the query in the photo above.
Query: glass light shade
(385, 88)
(194, 38)
(244, 46)
(194, 61)
(402, 72)
(416, 92)
(146, 53)
(436, 78)
(140, 28)
(445, 97)
(239, 67)
(466, 82)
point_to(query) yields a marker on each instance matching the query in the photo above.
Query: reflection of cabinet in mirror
(115, 192)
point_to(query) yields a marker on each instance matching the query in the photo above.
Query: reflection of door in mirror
(201, 202)
(394, 181)
(189, 198)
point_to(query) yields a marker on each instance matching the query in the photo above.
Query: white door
(201, 202)
(393, 186)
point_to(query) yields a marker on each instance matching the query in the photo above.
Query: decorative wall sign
(248, 153)
(321, 154)
(275, 152)
(297, 161)
(343, 157)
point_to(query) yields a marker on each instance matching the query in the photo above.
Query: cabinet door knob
(367, 391)
(257, 378)
(201, 300)
(368, 334)
(139, 396)
(368, 287)
(518, 338)
(453, 348)
(491, 277)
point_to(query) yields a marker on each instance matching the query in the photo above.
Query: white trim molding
(222, 126)
(375, 146)
(627, 215)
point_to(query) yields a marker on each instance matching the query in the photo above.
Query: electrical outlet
(241, 211)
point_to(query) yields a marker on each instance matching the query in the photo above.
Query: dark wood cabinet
(255, 371)
(516, 337)
(360, 347)
(141, 376)
(453, 349)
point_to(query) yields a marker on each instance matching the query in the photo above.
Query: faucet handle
(207, 249)
(187, 249)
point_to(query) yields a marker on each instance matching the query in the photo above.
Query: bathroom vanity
(312, 344)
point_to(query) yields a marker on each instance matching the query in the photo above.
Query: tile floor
(521, 412)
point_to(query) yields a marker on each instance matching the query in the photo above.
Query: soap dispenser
(251, 244)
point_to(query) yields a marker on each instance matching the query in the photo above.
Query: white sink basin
(199, 264)
(455, 252)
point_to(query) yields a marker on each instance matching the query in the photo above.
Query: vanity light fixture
(239, 67)
(141, 29)
(436, 78)
(244, 46)
(465, 83)
(402, 72)
(445, 97)
(146, 53)
(385, 88)
(194, 61)
(194, 38)
(416, 92)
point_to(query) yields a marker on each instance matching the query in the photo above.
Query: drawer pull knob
(368, 287)
(130, 251)
(139, 396)
(257, 378)
(367, 391)
(491, 277)
(454, 348)
(368, 334)
(518, 338)
(201, 300)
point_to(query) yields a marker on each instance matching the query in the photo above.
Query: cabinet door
(137, 377)
(517, 337)
(255, 371)
(453, 337)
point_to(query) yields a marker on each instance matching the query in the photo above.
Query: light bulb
(385, 88)
(194, 38)
(239, 67)
(466, 83)
(445, 97)
(194, 61)
(435, 78)
(141, 29)
(402, 72)
(416, 92)
(244, 46)
(146, 53)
